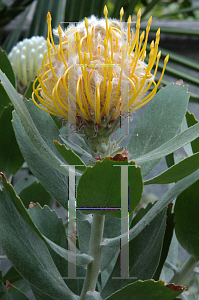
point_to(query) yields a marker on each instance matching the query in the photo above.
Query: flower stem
(183, 273)
(92, 273)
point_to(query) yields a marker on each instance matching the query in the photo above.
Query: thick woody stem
(183, 273)
(97, 229)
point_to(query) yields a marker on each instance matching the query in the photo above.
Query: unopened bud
(26, 58)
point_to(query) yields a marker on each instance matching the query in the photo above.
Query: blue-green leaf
(30, 255)
(11, 159)
(172, 193)
(4, 293)
(149, 289)
(81, 259)
(159, 123)
(99, 187)
(6, 67)
(172, 145)
(177, 172)
(186, 218)
(191, 120)
(30, 128)
(143, 256)
(70, 157)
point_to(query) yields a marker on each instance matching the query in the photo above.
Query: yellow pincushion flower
(96, 75)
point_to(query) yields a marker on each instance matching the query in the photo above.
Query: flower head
(96, 75)
(26, 58)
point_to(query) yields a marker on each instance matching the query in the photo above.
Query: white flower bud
(26, 59)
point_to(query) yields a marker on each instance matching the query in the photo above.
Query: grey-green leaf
(6, 67)
(186, 218)
(99, 187)
(30, 128)
(81, 259)
(191, 120)
(55, 182)
(75, 147)
(3, 292)
(30, 255)
(39, 295)
(178, 188)
(35, 192)
(11, 159)
(143, 256)
(149, 289)
(159, 123)
(16, 294)
(172, 145)
(177, 172)
(70, 157)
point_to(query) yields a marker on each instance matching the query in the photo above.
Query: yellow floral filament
(81, 41)
(42, 81)
(121, 72)
(136, 38)
(58, 98)
(156, 68)
(79, 101)
(49, 19)
(121, 14)
(137, 54)
(60, 44)
(105, 66)
(53, 111)
(106, 20)
(44, 62)
(84, 99)
(55, 103)
(117, 113)
(70, 44)
(89, 43)
(78, 47)
(97, 104)
(150, 96)
(44, 109)
(85, 80)
(129, 26)
(116, 29)
(116, 40)
(109, 89)
(111, 39)
(49, 56)
(64, 83)
(106, 105)
(151, 55)
(110, 69)
(146, 39)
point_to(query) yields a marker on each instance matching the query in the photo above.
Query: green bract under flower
(96, 76)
